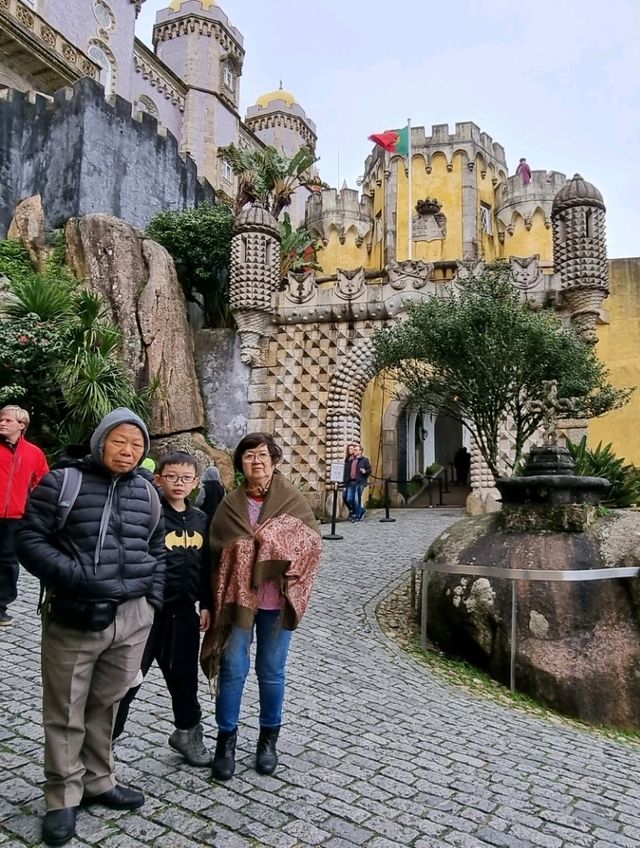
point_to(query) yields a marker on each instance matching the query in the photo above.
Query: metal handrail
(513, 574)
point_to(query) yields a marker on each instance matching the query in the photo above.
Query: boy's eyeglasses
(184, 478)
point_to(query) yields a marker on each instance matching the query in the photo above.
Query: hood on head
(113, 419)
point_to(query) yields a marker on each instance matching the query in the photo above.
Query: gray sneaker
(6, 620)
(190, 744)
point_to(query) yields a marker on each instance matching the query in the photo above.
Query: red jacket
(20, 472)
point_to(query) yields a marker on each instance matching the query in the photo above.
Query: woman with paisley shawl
(266, 549)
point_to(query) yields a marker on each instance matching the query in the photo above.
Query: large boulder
(28, 227)
(578, 643)
(138, 282)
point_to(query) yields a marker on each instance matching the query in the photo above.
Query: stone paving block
(502, 840)
(347, 830)
(307, 833)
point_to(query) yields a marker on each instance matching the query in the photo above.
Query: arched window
(106, 64)
(146, 104)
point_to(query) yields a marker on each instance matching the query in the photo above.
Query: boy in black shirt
(174, 641)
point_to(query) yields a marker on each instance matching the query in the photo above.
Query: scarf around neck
(285, 546)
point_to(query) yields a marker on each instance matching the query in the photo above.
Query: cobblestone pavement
(376, 751)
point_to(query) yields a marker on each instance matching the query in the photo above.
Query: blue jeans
(353, 499)
(272, 648)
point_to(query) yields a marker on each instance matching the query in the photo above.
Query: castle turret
(198, 42)
(523, 214)
(280, 121)
(580, 252)
(344, 222)
(254, 278)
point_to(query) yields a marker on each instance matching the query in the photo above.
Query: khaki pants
(84, 676)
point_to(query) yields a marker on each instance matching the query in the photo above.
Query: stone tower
(196, 39)
(255, 272)
(580, 252)
(278, 120)
(343, 215)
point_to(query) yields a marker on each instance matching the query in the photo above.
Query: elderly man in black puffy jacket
(104, 575)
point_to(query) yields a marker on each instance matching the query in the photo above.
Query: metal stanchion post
(429, 482)
(386, 502)
(440, 491)
(334, 511)
(446, 480)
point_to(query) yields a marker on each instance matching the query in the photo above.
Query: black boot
(224, 759)
(266, 756)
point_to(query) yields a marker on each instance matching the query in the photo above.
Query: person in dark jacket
(211, 492)
(357, 469)
(103, 573)
(174, 641)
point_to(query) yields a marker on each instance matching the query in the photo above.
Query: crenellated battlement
(514, 199)
(468, 139)
(341, 210)
(83, 153)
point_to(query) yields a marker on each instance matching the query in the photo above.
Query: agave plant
(601, 461)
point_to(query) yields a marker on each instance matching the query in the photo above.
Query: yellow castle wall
(525, 242)
(444, 185)
(619, 348)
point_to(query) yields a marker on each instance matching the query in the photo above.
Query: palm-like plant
(269, 177)
(298, 248)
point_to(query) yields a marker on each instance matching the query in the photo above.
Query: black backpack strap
(71, 482)
(156, 507)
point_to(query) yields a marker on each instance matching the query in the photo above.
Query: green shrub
(602, 462)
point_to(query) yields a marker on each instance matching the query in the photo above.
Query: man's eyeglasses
(184, 478)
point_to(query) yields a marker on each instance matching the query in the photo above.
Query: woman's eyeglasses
(184, 478)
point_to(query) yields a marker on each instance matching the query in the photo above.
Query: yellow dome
(279, 94)
(176, 5)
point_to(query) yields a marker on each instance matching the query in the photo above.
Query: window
(103, 14)
(228, 77)
(146, 104)
(486, 221)
(106, 68)
(227, 171)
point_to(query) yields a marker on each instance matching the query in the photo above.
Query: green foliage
(602, 462)
(59, 352)
(270, 177)
(298, 248)
(199, 241)
(479, 355)
(432, 469)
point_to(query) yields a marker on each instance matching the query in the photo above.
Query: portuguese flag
(393, 141)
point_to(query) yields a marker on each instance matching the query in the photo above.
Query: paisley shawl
(285, 546)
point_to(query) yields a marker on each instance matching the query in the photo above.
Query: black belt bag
(76, 614)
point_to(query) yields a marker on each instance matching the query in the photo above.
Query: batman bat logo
(183, 540)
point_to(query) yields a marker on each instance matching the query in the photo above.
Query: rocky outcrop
(28, 226)
(138, 282)
(578, 643)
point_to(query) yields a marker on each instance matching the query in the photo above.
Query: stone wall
(84, 154)
(224, 381)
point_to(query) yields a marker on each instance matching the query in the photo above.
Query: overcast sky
(556, 81)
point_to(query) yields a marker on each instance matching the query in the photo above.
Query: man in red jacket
(22, 464)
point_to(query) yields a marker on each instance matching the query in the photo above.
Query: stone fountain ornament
(578, 642)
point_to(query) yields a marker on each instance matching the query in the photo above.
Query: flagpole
(410, 220)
